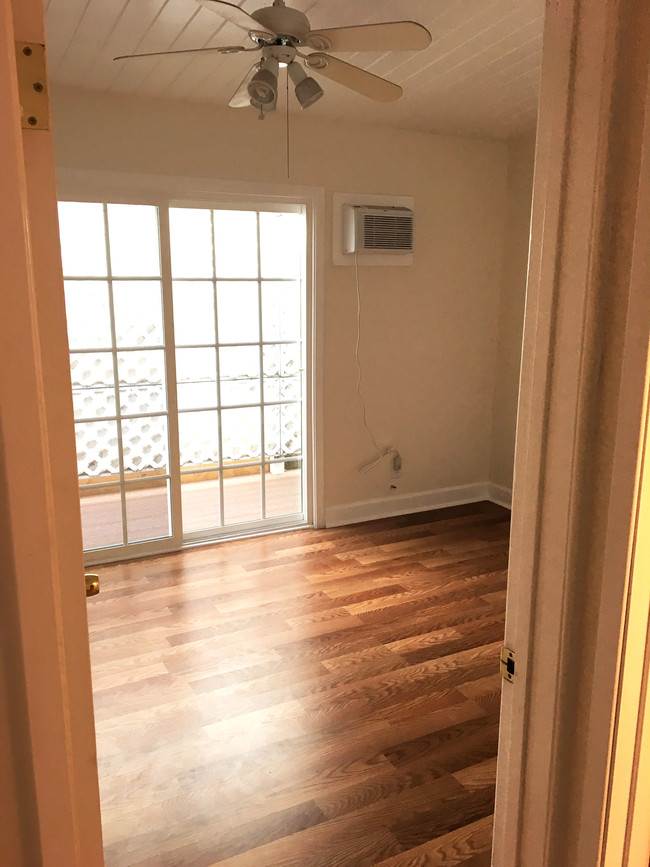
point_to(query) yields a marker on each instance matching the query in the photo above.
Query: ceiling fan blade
(236, 15)
(221, 49)
(241, 97)
(392, 36)
(353, 77)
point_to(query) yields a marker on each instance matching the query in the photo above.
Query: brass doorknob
(92, 584)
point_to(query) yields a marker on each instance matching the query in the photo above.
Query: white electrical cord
(287, 130)
(360, 376)
(381, 453)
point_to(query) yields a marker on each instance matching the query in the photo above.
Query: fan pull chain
(288, 152)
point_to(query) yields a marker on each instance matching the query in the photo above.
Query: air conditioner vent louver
(387, 232)
(378, 229)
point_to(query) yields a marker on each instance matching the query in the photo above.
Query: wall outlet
(395, 465)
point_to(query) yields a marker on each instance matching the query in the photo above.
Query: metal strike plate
(507, 664)
(32, 85)
(92, 584)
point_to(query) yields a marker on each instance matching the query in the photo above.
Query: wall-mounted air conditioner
(375, 229)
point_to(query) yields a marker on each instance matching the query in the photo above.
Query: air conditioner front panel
(377, 229)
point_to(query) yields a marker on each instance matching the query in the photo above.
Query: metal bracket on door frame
(32, 85)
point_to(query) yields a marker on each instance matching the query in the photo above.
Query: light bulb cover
(263, 86)
(308, 92)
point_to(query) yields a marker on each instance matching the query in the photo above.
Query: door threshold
(248, 534)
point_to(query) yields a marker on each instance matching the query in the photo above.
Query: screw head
(38, 86)
(31, 120)
(27, 51)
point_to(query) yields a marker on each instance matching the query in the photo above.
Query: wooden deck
(313, 698)
(148, 508)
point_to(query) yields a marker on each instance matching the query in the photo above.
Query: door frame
(48, 722)
(584, 362)
(166, 191)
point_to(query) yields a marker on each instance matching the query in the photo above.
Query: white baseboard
(402, 504)
(499, 495)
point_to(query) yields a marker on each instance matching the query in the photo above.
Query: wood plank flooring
(307, 699)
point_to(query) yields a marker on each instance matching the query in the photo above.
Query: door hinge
(507, 664)
(32, 85)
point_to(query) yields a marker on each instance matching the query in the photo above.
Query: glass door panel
(147, 510)
(283, 489)
(201, 498)
(101, 517)
(114, 307)
(235, 238)
(238, 309)
(242, 495)
(240, 435)
(238, 293)
(82, 230)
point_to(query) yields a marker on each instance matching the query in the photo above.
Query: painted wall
(521, 159)
(430, 331)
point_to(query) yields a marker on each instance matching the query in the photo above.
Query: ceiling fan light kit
(279, 32)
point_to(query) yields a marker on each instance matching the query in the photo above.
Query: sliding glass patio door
(238, 323)
(188, 376)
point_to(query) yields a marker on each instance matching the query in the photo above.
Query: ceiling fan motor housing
(284, 54)
(284, 21)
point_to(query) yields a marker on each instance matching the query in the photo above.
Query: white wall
(430, 331)
(511, 316)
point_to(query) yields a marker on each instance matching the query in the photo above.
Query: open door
(579, 434)
(627, 817)
(48, 783)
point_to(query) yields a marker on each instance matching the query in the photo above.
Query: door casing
(578, 436)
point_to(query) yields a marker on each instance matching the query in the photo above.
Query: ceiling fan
(281, 34)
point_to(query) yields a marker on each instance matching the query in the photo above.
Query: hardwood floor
(312, 698)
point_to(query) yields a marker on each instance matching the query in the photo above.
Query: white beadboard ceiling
(479, 77)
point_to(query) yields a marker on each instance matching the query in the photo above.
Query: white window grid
(123, 483)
